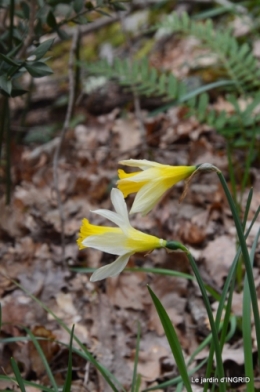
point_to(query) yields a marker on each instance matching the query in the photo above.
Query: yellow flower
(150, 183)
(123, 240)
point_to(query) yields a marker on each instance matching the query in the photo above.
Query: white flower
(123, 240)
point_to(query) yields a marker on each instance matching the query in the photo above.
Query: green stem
(249, 159)
(214, 330)
(3, 123)
(135, 376)
(77, 68)
(8, 157)
(15, 69)
(231, 171)
(246, 258)
(11, 28)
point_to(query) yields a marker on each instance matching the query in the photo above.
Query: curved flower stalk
(123, 240)
(150, 183)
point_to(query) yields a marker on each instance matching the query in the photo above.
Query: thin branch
(3, 125)
(88, 28)
(62, 136)
(30, 36)
(139, 116)
(11, 28)
(137, 106)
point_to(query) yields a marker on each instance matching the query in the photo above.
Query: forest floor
(106, 313)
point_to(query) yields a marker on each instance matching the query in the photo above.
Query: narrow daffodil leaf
(172, 339)
(18, 375)
(135, 380)
(44, 359)
(67, 384)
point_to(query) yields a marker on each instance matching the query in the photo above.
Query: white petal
(119, 204)
(141, 163)
(148, 196)
(110, 215)
(113, 243)
(112, 269)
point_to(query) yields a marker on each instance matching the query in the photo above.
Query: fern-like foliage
(140, 78)
(238, 60)
(240, 126)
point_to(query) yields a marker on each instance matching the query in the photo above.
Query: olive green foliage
(24, 30)
(22, 42)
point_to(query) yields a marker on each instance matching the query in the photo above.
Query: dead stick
(137, 106)
(89, 28)
(62, 136)
(30, 36)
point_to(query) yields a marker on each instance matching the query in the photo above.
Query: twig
(89, 28)
(3, 19)
(62, 136)
(139, 117)
(8, 155)
(30, 36)
(11, 28)
(86, 375)
(137, 106)
(3, 125)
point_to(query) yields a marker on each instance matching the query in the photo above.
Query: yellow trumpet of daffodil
(150, 183)
(123, 240)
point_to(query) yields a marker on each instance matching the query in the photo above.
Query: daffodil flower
(123, 240)
(150, 183)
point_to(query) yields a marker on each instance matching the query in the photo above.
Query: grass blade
(227, 284)
(172, 339)
(159, 271)
(67, 385)
(44, 360)
(87, 355)
(213, 326)
(134, 387)
(246, 258)
(42, 388)
(18, 375)
(246, 325)
(204, 88)
(177, 379)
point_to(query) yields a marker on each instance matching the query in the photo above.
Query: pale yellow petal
(112, 269)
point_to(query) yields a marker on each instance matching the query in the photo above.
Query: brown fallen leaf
(121, 288)
(218, 257)
(190, 233)
(128, 132)
(49, 348)
(174, 301)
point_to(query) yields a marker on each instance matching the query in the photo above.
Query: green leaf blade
(42, 49)
(172, 339)
(38, 69)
